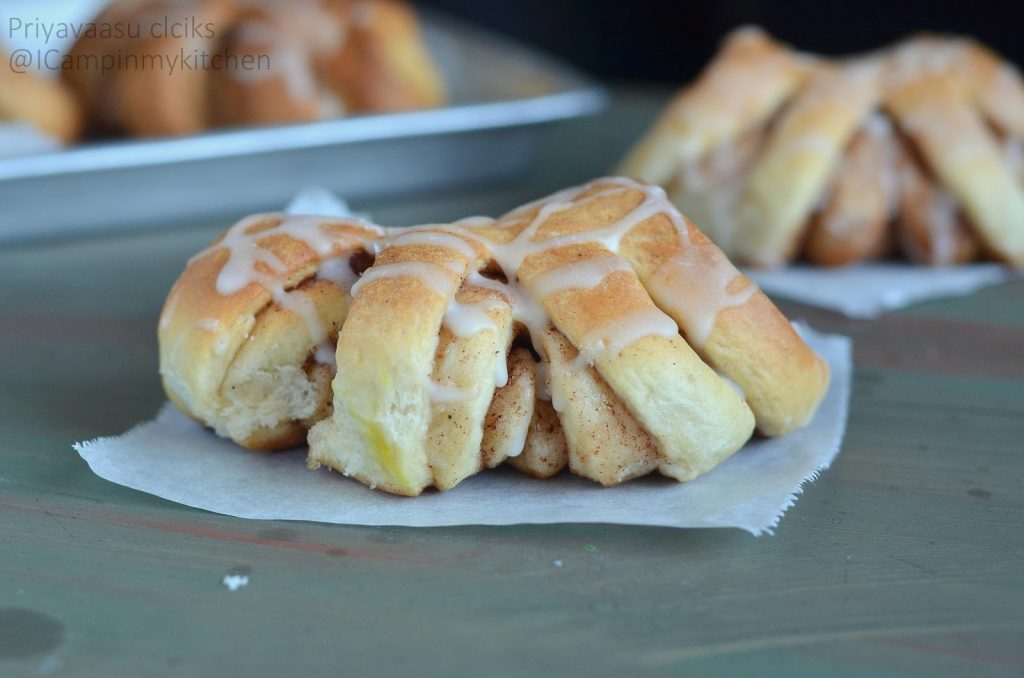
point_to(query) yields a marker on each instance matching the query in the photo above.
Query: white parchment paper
(174, 458)
(870, 289)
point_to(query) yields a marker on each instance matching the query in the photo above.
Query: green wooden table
(906, 557)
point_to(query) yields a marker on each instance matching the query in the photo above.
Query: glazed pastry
(595, 329)
(267, 62)
(44, 104)
(820, 157)
(248, 331)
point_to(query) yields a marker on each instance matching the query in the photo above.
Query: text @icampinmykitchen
(192, 54)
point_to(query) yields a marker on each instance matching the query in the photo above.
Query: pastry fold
(247, 332)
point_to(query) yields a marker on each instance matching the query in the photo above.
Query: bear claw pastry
(595, 328)
(777, 153)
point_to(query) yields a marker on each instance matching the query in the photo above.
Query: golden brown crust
(545, 453)
(239, 361)
(468, 363)
(965, 157)
(430, 387)
(510, 413)
(282, 92)
(170, 101)
(86, 76)
(810, 191)
(308, 60)
(930, 227)
(383, 65)
(731, 323)
(604, 442)
(708, 189)
(47, 105)
(853, 223)
(803, 149)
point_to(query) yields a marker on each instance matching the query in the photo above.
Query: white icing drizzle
(245, 255)
(619, 333)
(698, 299)
(542, 381)
(245, 252)
(588, 273)
(208, 324)
(287, 57)
(511, 255)
(581, 362)
(500, 372)
(699, 296)
(338, 271)
(557, 398)
(433, 277)
(446, 393)
(466, 320)
(525, 309)
(293, 35)
(416, 236)
(325, 354)
(528, 312)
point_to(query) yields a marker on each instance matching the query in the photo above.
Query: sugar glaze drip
(249, 263)
(703, 297)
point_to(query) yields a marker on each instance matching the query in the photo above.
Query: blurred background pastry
(778, 153)
(27, 98)
(258, 62)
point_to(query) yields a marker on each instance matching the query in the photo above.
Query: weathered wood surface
(907, 557)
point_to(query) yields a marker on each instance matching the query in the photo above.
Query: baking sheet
(500, 93)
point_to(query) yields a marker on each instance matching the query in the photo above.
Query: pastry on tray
(595, 328)
(250, 62)
(26, 97)
(778, 154)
